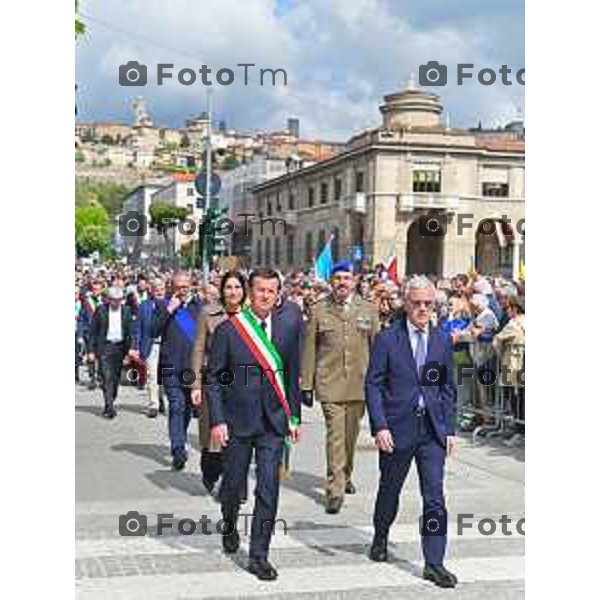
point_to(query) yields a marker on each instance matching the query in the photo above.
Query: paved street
(124, 465)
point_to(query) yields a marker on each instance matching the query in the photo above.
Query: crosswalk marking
(295, 538)
(291, 581)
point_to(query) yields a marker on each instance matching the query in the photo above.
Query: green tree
(92, 230)
(79, 156)
(79, 25)
(230, 162)
(108, 194)
(164, 217)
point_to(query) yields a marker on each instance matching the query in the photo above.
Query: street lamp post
(208, 171)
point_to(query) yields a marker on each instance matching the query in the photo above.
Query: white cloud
(341, 57)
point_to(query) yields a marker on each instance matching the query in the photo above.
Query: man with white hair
(110, 341)
(411, 400)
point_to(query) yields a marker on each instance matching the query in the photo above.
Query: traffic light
(214, 235)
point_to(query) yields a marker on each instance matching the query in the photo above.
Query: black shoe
(334, 505)
(109, 413)
(152, 413)
(350, 489)
(231, 542)
(161, 406)
(91, 386)
(179, 462)
(262, 568)
(440, 576)
(378, 551)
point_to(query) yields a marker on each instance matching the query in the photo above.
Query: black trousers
(111, 362)
(268, 448)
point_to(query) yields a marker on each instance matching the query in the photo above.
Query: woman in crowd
(231, 298)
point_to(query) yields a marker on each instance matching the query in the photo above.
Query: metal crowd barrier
(489, 403)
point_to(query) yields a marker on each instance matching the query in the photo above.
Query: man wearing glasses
(411, 399)
(174, 321)
(339, 335)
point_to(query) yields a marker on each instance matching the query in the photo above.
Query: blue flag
(324, 262)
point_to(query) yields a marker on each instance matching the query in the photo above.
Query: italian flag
(391, 265)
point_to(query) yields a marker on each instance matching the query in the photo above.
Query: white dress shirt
(115, 330)
(414, 336)
(269, 322)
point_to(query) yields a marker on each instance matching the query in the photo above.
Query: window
(337, 188)
(268, 251)
(291, 201)
(323, 193)
(258, 252)
(359, 182)
(269, 208)
(290, 249)
(277, 251)
(278, 203)
(311, 196)
(308, 256)
(495, 190)
(427, 180)
(190, 191)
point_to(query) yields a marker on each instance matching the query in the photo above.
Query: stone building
(374, 195)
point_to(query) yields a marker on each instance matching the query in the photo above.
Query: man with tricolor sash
(174, 321)
(254, 400)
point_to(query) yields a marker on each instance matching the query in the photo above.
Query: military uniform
(335, 359)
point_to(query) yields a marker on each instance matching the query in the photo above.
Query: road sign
(200, 183)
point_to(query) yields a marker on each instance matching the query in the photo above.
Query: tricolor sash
(264, 351)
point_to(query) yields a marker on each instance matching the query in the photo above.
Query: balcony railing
(408, 202)
(356, 202)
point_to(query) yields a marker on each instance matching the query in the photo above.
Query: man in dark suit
(110, 341)
(148, 347)
(411, 399)
(254, 400)
(175, 320)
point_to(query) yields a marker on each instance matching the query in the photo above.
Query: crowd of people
(188, 343)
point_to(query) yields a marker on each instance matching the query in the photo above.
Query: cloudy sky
(341, 57)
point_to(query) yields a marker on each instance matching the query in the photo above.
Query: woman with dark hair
(232, 295)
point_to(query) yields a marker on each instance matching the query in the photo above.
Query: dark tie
(263, 324)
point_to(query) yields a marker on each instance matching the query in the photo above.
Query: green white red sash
(264, 352)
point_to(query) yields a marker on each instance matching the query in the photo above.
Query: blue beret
(344, 265)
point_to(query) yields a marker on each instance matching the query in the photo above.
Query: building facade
(373, 196)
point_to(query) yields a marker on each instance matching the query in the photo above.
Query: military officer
(339, 335)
